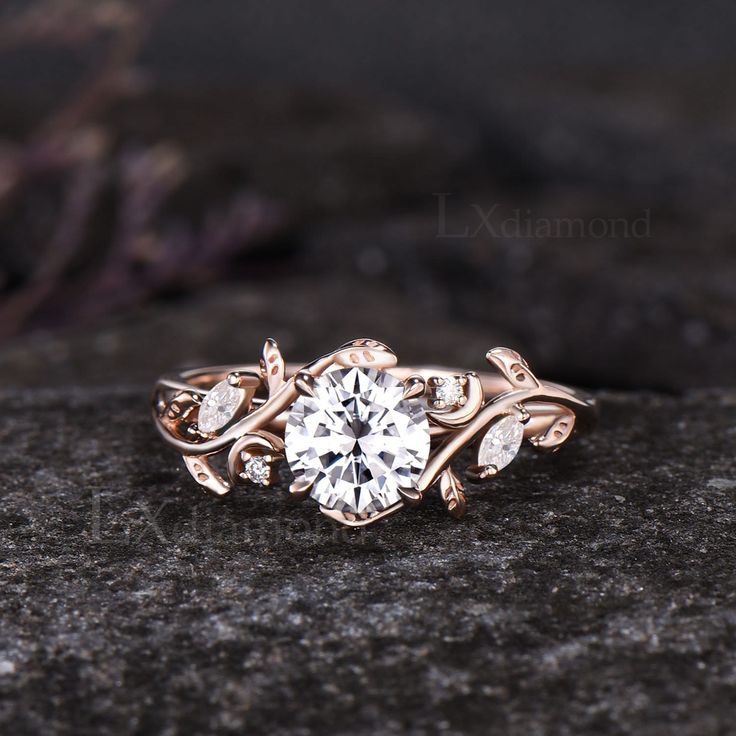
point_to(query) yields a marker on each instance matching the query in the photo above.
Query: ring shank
(201, 380)
(204, 379)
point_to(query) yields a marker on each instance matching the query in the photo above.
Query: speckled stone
(588, 592)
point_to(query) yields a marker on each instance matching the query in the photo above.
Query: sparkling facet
(219, 406)
(357, 440)
(501, 443)
(450, 392)
(257, 470)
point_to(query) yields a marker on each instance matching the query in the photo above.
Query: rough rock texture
(590, 592)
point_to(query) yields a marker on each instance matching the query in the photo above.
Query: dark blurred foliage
(174, 173)
(92, 220)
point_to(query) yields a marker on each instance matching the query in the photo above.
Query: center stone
(357, 440)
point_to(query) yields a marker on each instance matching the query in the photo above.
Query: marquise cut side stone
(501, 443)
(357, 440)
(219, 406)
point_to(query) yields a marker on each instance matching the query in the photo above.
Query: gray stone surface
(590, 592)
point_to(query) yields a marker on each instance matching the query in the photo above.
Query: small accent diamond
(501, 443)
(257, 470)
(219, 406)
(450, 392)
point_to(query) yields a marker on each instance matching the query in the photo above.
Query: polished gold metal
(550, 415)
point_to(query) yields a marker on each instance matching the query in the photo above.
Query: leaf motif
(552, 429)
(514, 368)
(179, 416)
(452, 491)
(207, 477)
(364, 353)
(272, 366)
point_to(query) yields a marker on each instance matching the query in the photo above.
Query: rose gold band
(201, 380)
(549, 413)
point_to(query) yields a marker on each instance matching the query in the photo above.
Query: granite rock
(587, 592)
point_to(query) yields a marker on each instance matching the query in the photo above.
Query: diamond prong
(410, 496)
(489, 471)
(414, 386)
(300, 489)
(521, 413)
(243, 379)
(477, 473)
(472, 472)
(304, 382)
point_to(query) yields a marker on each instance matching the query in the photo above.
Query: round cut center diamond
(357, 440)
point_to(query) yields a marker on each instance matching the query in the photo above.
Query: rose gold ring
(361, 436)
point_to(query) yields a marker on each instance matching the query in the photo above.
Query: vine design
(260, 396)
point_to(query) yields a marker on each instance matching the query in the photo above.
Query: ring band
(361, 435)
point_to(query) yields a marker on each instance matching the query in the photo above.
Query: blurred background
(179, 180)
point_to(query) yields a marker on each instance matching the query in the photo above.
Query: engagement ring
(362, 436)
